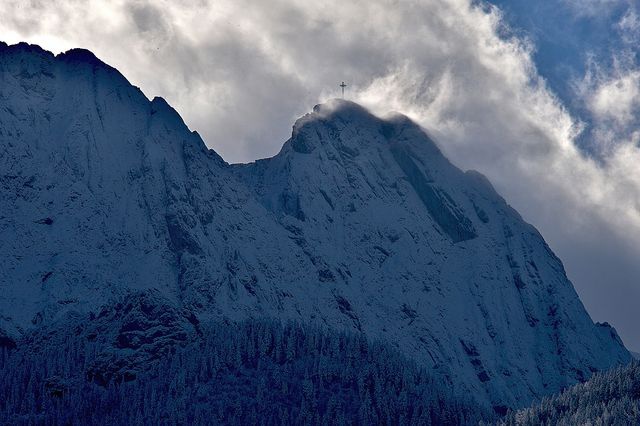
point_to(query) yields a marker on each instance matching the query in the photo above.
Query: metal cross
(343, 86)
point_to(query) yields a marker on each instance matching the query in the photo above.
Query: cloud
(617, 99)
(609, 92)
(629, 26)
(240, 72)
(590, 8)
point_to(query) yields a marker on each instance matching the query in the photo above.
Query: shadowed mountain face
(359, 223)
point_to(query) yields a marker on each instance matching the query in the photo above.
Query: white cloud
(610, 94)
(588, 8)
(240, 72)
(629, 26)
(617, 98)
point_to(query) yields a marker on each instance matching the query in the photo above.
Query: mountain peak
(340, 108)
(351, 111)
(81, 55)
(23, 47)
(336, 111)
(350, 124)
(77, 55)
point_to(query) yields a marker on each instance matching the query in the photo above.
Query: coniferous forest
(253, 372)
(607, 399)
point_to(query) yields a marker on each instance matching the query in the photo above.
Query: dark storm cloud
(241, 71)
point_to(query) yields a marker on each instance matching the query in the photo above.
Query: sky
(540, 96)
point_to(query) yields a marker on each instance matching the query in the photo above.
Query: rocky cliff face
(358, 223)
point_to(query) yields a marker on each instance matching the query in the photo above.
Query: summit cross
(343, 86)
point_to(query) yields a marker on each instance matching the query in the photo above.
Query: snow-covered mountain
(359, 223)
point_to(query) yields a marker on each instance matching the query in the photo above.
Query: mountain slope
(358, 223)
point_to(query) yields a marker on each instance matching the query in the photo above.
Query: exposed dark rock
(440, 206)
(134, 333)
